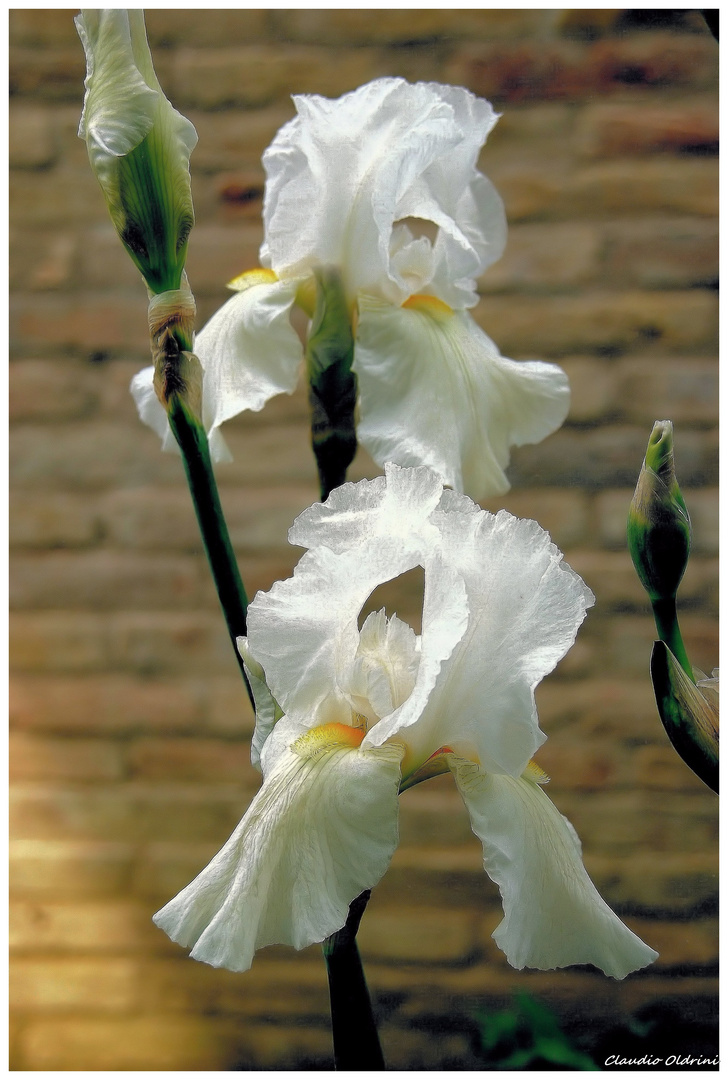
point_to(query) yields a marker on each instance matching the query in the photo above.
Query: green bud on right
(658, 524)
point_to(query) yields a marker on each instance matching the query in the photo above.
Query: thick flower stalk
(381, 189)
(348, 717)
(139, 147)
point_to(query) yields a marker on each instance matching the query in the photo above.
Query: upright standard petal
(320, 831)
(525, 607)
(249, 353)
(435, 391)
(343, 172)
(554, 917)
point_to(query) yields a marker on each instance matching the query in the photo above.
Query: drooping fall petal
(322, 828)
(435, 391)
(554, 916)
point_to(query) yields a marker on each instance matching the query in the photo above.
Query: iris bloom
(382, 185)
(139, 146)
(347, 717)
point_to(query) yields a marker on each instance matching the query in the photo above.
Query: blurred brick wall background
(130, 728)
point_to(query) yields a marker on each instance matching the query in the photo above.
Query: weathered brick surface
(130, 725)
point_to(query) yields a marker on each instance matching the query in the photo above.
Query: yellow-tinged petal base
(429, 305)
(320, 740)
(249, 278)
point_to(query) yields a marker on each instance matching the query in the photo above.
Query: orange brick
(99, 927)
(103, 985)
(55, 641)
(107, 579)
(32, 145)
(52, 520)
(106, 704)
(64, 868)
(427, 936)
(684, 390)
(38, 757)
(50, 390)
(611, 130)
(186, 759)
(563, 514)
(591, 321)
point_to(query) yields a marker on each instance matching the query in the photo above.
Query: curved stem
(668, 630)
(192, 441)
(356, 1042)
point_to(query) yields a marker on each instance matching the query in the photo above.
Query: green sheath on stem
(332, 383)
(356, 1042)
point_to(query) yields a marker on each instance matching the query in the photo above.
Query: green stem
(356, 1042)
(192, 441)
(668, 630)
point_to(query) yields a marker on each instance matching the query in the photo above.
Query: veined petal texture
(435, 391)
(554, 916)
(249, 353)
(344, 171)
(321, 830)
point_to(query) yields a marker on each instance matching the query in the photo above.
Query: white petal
(434, 391)
(322, 829)
(267, 710)
(396, 504)
(249, 352)
(385, 668)
(150, 409)
(304, 631)
(343, 172)
(525, 607)
(554, 916)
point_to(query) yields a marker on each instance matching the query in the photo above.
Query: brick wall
(129, 725)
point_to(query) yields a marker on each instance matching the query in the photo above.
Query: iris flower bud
(658, 525)
(139, 146)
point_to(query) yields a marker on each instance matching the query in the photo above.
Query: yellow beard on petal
(320, 740)
(429, 305)
(246, 280)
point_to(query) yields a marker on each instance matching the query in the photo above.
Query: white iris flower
(346, 717)
(382, 184)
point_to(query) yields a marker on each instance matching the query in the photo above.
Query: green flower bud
(138, 145)
(689, 713)
(658, 525)
(332, 384)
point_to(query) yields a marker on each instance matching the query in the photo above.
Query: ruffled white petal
(434, 391)
(343, 172)
(249, 352)
(554, 917)
(150, 409)
(501, 608)
(398, 504)
(322, 829)
(525, 607)
(304, 631)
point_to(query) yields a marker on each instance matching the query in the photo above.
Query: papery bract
(382, 185)
(351, 715)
